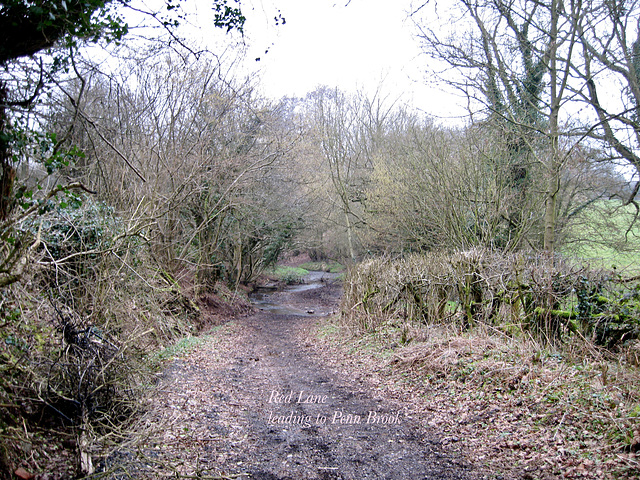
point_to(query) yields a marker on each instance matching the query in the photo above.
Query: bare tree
(190, 154)
(346, 132)
(608, 75)
(515, 59)
(435, 188)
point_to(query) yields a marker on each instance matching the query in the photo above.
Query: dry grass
(516, 408)
(490, 351)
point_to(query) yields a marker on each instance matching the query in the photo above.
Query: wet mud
(260, 402)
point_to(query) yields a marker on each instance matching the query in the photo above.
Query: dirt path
(259, 401)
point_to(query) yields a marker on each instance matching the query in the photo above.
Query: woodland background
(144, 179)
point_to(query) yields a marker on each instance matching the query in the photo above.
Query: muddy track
(260, 402)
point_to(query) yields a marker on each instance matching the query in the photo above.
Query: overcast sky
(356, 44)
(323, 42)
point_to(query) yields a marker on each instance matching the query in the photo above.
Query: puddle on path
(268, 300)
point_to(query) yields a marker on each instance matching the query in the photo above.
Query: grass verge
(330, 267)
(179, 348)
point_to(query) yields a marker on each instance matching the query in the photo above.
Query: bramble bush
(78, 329)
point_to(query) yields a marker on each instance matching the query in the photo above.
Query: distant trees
(199, 160)
(333, 124)
(394, 181)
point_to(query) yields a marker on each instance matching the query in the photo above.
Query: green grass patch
(330, 330)
(330, 267)
(287, 275)
(180, 348)
(602, 235)
(603, 256)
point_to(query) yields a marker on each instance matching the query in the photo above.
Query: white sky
(324, 42)
(357, 44)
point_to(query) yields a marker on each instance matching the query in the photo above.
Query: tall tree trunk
(352, 252)
(553, 165)
(8, 174)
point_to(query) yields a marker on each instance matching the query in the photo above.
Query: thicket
(76, 336)
(130, 224)
(520, 294)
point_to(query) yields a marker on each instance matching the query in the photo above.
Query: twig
(559, 425)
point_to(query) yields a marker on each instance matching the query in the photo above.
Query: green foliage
(31, 27)
(238, 242)
(609, 312)
(288, 275)
(229, 17)
(281, 236)
(25, 204)
(44, 148)
(79, 228)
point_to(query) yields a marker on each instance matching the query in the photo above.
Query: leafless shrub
(545, 297)
(77, 336)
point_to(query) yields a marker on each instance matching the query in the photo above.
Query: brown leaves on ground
(175, 437)
(23, 474)
(515, 411)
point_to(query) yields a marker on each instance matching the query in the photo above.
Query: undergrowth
(74, 342)
(525, 401)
